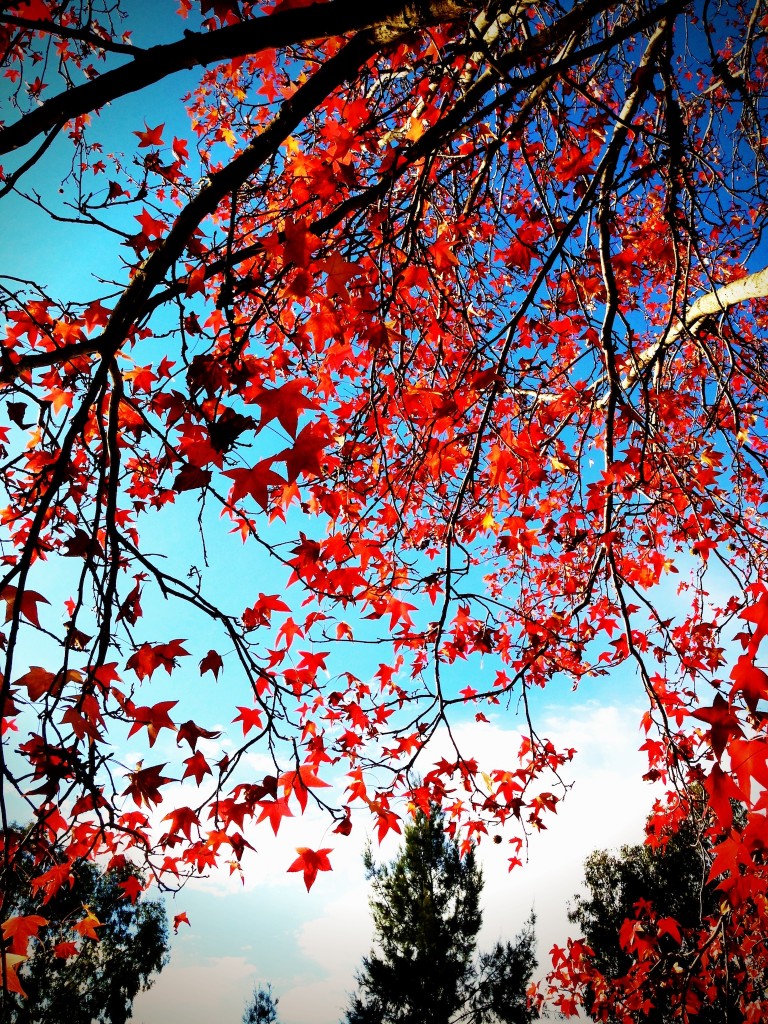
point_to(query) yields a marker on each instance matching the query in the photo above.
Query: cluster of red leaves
(469, 349)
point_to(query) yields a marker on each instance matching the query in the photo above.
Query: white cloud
(606, 807)
(213, 990)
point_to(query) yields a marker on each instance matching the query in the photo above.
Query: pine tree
(262, 1007)
(426, 913)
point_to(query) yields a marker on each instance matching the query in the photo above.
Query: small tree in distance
(426, 913)
(262, 1008)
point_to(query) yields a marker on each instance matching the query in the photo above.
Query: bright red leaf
(310, 862)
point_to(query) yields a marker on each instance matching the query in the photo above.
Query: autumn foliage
(398, 361)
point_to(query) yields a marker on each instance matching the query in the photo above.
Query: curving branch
(714, 303)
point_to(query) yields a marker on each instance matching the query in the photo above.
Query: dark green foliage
(262, 1009)
(503, 977)
(673, 880)
(101, 982)
(426, 912)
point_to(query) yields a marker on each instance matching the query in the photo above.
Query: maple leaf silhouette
(191, 732)
(144, 785)
(150, 136)
(255, 482)
(304, 455)
(722, 722)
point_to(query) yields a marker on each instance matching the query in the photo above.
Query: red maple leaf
(52, 880)
(191, 732)
(284, 404)
(132, 888)
(749, 680)
(310, 862)
(144, 785)
(96, 315)
(153, 718)
(197, 767)
(149, 657)
(255, 482)
(64, 950)
(180, 150)
(212, 662)
(151, 227)
(299, 783)
(261, 613)
(722, 789)
(669, 926)
(20, 930)
(304, 455)
(344, 827)
(275, 810)
(191, 478)
(298, 243)
(182, 819)
(27, 605)
(180, 919)
(722, 722)
(150, 136)
(38, 682)
(758, 615)
(250, 717)
(227, 11)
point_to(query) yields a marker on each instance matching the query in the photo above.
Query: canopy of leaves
(426, 916)
(452, 312)
(89, 949)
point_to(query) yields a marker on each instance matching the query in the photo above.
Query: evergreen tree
(426, 913)
(262, 1008)
(100, 981)
(673, 880)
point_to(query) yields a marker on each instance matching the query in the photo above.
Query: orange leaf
(20, 929)
(88, 925)
(150, 137)
(12, 961)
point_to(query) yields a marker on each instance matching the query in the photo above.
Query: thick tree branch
(386, 19)
(714, 303)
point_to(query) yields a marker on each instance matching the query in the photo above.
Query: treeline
(641, 915)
